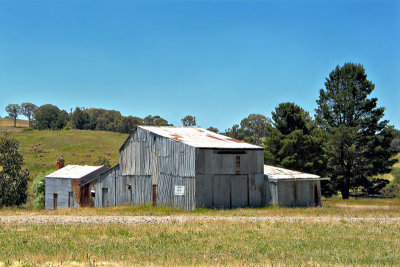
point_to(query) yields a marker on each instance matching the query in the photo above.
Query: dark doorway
(104, 197)
(55, 201)
(70, 199)
(316, 195)
(154, 195)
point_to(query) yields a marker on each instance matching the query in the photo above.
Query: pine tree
(294, 141)
(358, 139)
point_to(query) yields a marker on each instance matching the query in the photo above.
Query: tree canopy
(359, 141)
(27, 110)
(50, 117)
(13, 179)
(255, 127)
(155, 121)
(294, 141)
(213, 129)
(13, 111)
(188, 120)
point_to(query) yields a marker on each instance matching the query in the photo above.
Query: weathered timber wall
(146, 153)
(229, 178)
(299, 193)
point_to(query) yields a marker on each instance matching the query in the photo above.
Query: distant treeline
(50, 117)
(111, 120)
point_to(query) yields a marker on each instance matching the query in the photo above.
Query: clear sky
(217, 60)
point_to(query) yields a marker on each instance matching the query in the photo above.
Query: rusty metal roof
(276, 173)
(76, 171)
(198, 137)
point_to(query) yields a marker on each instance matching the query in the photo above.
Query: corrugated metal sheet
(275, 173)
(74, 171)
(198, 137)
(149, 154)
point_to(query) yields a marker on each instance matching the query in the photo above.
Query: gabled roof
(77, 171)
(275, 173)
(198, 137)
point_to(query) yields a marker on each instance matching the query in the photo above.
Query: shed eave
(289, 179)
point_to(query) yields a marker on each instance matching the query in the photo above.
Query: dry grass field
(7, 125)
(354, 232)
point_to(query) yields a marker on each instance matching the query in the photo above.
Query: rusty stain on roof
(176, 137)
(235, 140)
(198, 137)
(208, 135)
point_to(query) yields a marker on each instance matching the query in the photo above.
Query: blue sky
(217, 60)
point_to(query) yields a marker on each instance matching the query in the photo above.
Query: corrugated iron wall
(148, 160)
(62, 188)
(299, 193)
(145, 148)
(229, 178)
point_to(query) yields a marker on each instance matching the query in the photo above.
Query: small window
(92, 193)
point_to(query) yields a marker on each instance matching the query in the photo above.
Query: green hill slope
(41, 148)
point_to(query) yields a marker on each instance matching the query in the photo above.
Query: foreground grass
(220, 242)
(330, 207)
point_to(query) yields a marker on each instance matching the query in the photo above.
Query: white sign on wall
(179, 190)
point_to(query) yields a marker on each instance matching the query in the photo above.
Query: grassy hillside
(41, 148)
(7, 125)
(395, 173)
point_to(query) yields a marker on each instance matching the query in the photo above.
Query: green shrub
(66, 127)
(38, 188)
(392, 189)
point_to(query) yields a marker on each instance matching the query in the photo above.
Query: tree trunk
(15, 122)
(345, 192)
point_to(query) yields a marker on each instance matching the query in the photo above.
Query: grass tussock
(220, 242)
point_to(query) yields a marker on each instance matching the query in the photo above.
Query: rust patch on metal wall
(82, 194)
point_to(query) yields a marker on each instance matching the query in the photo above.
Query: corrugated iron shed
(275, 173)
(198, 137)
